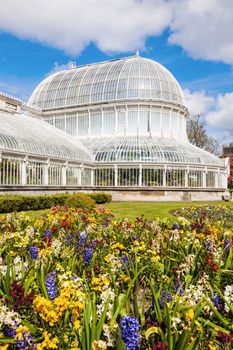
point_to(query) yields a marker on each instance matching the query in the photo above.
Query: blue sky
(195, 45)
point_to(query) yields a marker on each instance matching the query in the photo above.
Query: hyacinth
(24, 340)
(125, 260)
(68, 239)
(164, 296)
(47, 234)
(82, 239)
(34, 252)
(87, 255)
(177, 288)
(217, 301)
(209, 246)
(129, 327)
(227, 245)
(51, 286)
(10, 332)
(175, 226)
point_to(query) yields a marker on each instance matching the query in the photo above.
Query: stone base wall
(128, 194)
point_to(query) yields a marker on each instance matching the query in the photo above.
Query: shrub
(101, 197)
(80, 200)
(14, 203)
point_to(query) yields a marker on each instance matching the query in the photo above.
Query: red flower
(54, 228)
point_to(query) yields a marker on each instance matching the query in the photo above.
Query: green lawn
(131, 210)
(151, 210)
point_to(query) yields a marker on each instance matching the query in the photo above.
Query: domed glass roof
(20, 133)
(148, 149)
(132, 78)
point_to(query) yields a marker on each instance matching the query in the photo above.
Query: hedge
(14, 203)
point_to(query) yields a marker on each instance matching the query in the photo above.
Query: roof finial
(137, 53)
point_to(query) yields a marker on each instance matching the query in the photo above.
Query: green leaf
(100, 324)
(154, 330)
(168, 324)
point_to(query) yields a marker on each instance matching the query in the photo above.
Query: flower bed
(84, 280)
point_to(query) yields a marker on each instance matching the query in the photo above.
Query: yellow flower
(211, 346)
(99, 345)
(77, 324)
(62, 304)
(74, 345)
(66, 338)
(4, 347)
(155, 259)
(48, 342)
(77, 308)
(20, 332)
(124, 278)
(44, 308)
(190, 314)
(118, 246)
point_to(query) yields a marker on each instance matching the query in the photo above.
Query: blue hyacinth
(51, 285)
(164, 296)
(227, 245)
(177, 288)
(82, 239)
(10, 332)
(68, 239)
(125, 260)
(27, 342)
(209, 246)
(129, 327)
(175, 226)
(217, 301)
(34, 252)
(87, 255)
(47, 234)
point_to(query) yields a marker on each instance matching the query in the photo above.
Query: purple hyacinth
(227, 245)
(87, 255)
(47, 234)
(164, 296)
(125, 260)
(82, 239)
(129, 327)
(10, 332)
(217, 301)
(175, 226)
(51, 285)
(68, 239)
(177, 288)
(34, 252)
(27, 342)
(208, 246)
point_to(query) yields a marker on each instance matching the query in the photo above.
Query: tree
(196, 130)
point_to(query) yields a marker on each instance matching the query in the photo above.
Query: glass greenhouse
(34, 153)
(116, 125)
(130, 114)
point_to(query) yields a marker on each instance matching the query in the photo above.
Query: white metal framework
(33, 153)
(122, 124)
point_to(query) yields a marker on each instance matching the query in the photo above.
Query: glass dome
(20, 133)
(132, 78)
(148, 149)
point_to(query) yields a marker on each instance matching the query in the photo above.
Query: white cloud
(114, 26)
(222, 115)
(217, 111)
(204, 28)
(198, 102)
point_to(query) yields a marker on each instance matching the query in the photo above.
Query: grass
(151, 210)
(131, 210)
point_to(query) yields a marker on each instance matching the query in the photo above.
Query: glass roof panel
(149, 149)
(128, 78)
(33, 136)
